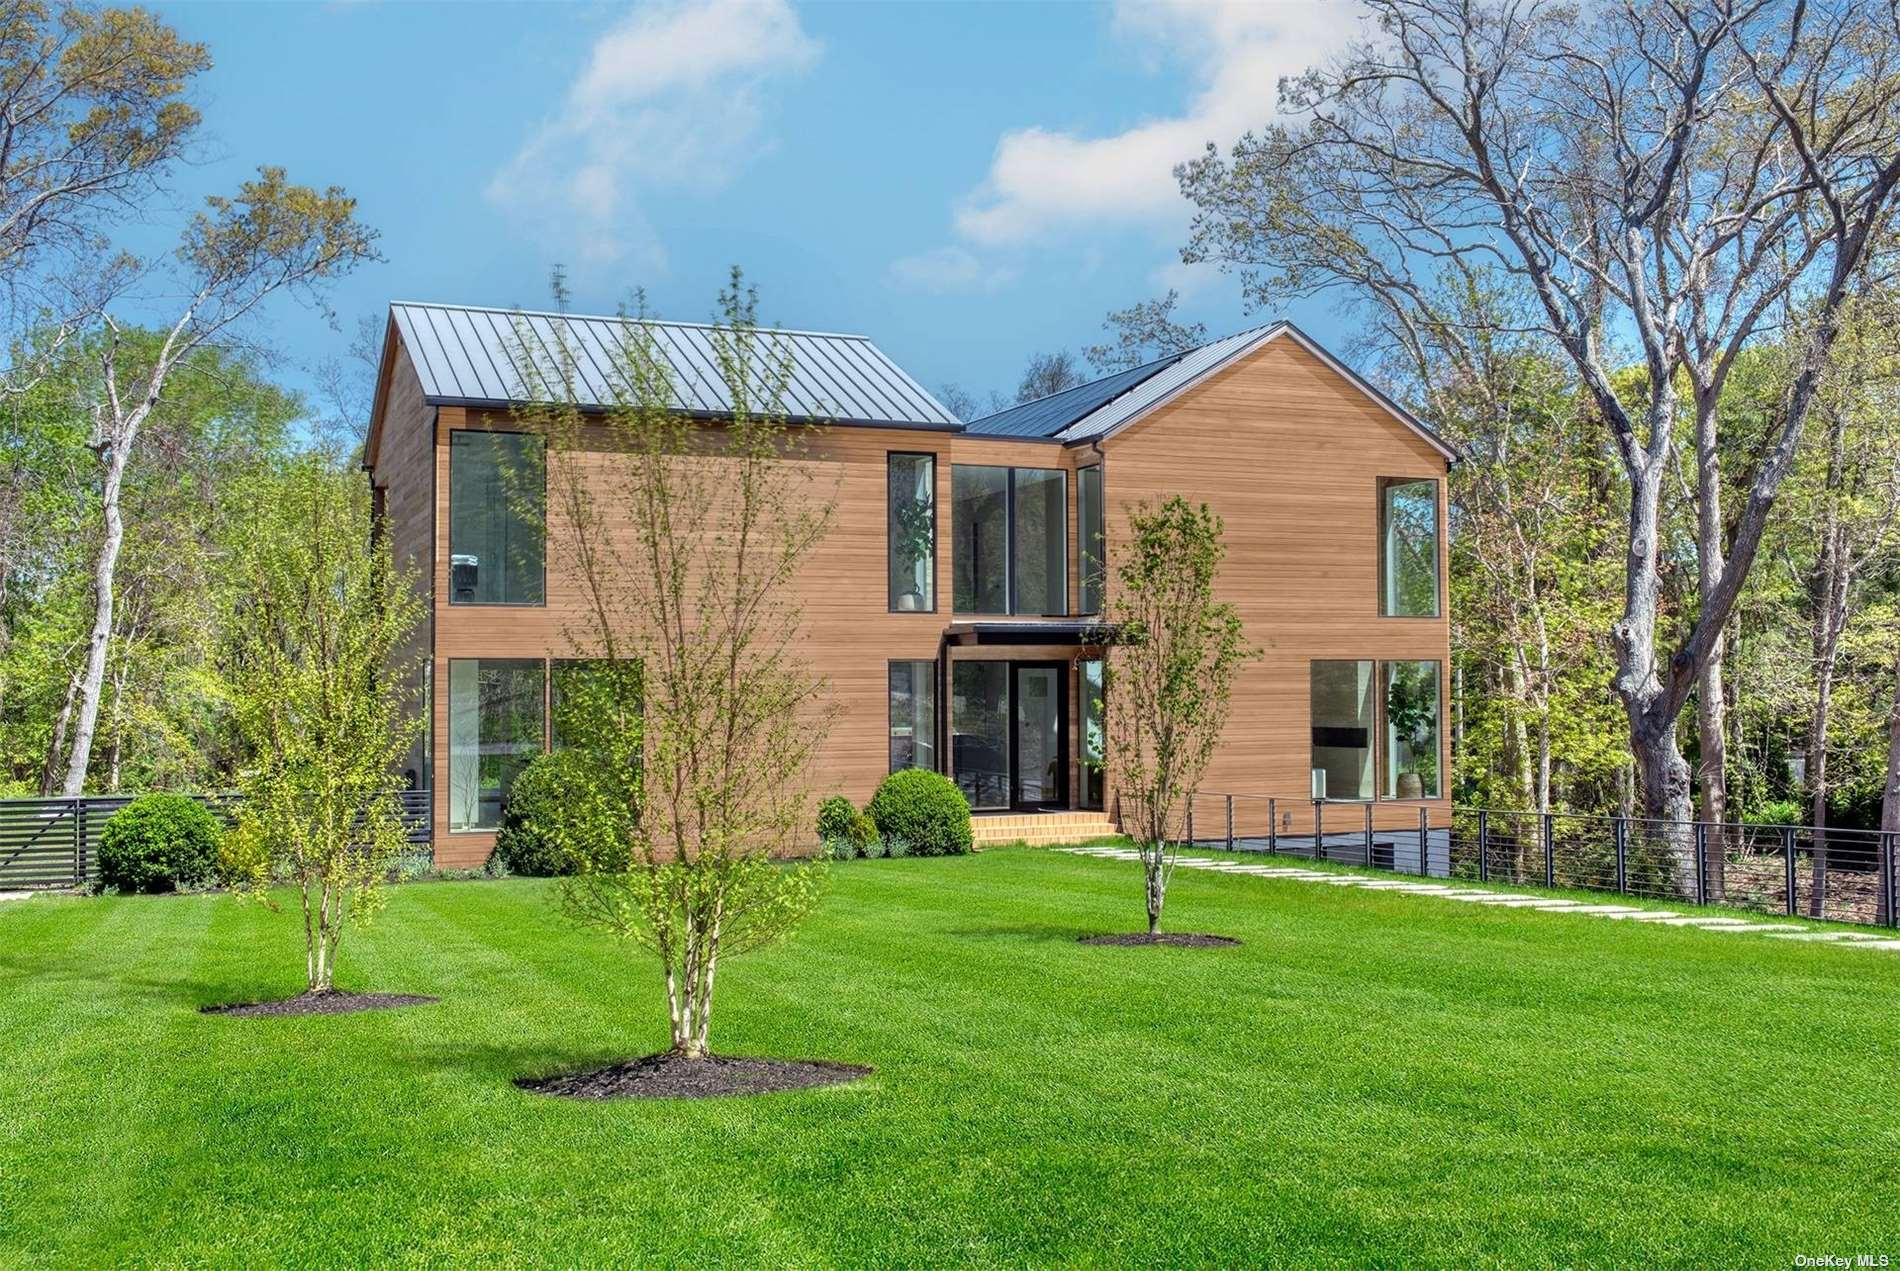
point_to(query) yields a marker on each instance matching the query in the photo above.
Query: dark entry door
(1039, 735)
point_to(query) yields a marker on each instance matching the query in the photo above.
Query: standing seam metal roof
(469, 355)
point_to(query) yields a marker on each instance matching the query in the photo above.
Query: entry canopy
(1076, 631)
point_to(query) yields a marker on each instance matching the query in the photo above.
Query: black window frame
(1012, 607)
(449, 537)
(1438, 548)
(1100, 571)
(929, 679)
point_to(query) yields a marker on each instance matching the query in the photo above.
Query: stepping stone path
(1516, 900)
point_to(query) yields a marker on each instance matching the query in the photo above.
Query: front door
(1039, 737)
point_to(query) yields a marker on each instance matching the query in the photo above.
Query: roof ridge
(1159, 364)
(616, 317)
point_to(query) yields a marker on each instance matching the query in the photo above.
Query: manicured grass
(1372, 1078)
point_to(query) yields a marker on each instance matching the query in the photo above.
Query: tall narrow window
(1341, 707)
(497, 518)
(1094, 740)
(496, 727)
(913, 715)
(1408, 548)
(1094, 547)
(1411, 731)
(911, 530)
(979, 514)
(1039, 533)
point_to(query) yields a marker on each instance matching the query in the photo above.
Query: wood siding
(1290, 455)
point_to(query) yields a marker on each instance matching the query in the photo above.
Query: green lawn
(1372, 1078)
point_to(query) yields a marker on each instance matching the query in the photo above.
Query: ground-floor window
(979, 721)
(1411, 730)
(1094, 741)
(497, 726)
(913, 715)
(1342, 729)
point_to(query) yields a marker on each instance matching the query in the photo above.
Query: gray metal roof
(1153, 389)
(468, 355)
(1047, 416)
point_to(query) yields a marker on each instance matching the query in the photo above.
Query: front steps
(1039, 829)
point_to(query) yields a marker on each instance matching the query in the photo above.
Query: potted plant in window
(912, 531)
(1411, 709)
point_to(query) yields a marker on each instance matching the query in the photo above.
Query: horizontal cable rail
(1841, 875)
(53, 843)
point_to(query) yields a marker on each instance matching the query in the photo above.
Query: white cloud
(673, 97)
(1045, 182)
(950, 269)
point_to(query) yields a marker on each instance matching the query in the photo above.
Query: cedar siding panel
(1289, 454)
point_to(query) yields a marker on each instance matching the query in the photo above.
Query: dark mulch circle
(668, 1076)
(333, 1002)
(1178, 939)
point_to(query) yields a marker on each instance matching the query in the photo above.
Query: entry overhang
(1079, 632)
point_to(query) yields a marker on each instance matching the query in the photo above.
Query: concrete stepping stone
(1606, 911)
(1710, 922)
(1759, 927)
(1646, 915)
(1838, 937)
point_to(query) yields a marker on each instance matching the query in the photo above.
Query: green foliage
(565, 808)
(921, 813)
(159, 842)
(835, 817)
(845, 832)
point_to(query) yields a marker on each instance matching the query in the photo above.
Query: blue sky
(965, 183)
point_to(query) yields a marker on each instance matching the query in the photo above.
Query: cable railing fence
(1841, 875)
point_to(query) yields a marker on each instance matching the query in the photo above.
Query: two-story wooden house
(950, 608)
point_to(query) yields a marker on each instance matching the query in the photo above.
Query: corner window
(913, 715)
(497, 518)
(1011, 528)
(496, 728)
(1411, 731)
(911, 532)
(1342, 728)
(1408, 548)
(1094, 547)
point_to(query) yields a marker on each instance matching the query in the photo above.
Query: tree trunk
(56, 744)
(105, 567)
(117, 753)
(1710, 713)
(1157, 891)
(1830, 620)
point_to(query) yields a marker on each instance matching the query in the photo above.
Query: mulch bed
(668, 1076)
(1176, 939)
(330, 1003)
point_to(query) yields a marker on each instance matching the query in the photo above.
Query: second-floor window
(911, 531)
(1011, 530)
(497, 518)
(1094, 554)
(1408, 548)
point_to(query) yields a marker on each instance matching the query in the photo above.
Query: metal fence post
(1273, 825)
(1424, 839)
(1319, 830)
(1230, 822)
(1484, 846)
(1622, 835)
(1787, 861)
(1550, 851)
(1701, 863)
(1887, 893)
(1369, 836)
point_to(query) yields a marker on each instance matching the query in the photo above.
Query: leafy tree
(1168, 682)
(682, 539)
(324, 704)
(1143, 332)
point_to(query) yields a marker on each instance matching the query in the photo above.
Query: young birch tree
(1660, 176)
(1168, 683)
(681, 540)
(324, 704)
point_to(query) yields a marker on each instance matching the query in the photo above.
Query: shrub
(844, 831)
(159, 842)
(924, 811)
(835, 816)
(559, 809)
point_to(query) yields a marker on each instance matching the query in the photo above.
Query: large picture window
(913, 715)
(1094, 547)
(1342, 727)
(1408, 548)
(1411, 761)
(1011, 533)
(911, 530)
(497, 518)
(496, 728)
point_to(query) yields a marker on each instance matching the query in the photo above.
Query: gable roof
(1092, 411)
(465, 356)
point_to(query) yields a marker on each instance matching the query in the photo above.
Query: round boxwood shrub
(923, 810)
(558, 811)
(159, 842)
(843, 831)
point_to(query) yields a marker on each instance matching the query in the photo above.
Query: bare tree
(272, 237)
(1168, 682)
(1144, 332)
(1048, 373)
(1671, 175)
